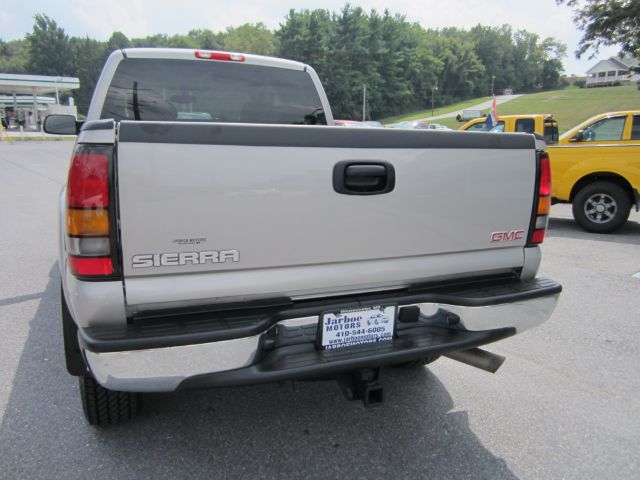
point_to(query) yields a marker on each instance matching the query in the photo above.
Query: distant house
(614, 71)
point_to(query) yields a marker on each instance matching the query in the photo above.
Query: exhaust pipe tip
(476, 357)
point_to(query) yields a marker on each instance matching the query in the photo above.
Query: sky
(99, 18)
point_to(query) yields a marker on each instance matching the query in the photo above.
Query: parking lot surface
(565, 404)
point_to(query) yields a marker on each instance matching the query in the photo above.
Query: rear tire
(418, 363)
(601, 207)
(103, 407)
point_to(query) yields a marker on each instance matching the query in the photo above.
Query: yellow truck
(542, 124)
(596, 167)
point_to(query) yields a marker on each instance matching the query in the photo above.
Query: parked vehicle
(374, 123)
(596, 167)
(437, 126)
(542, 124)
(350, 123)
(415, 124)
(262, 245)
(469, 114)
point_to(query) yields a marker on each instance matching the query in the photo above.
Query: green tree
(462, 69)
(607, 22)
(157, 40)
(14, 56)
(494, 47)
(551, 70)
(87, 59)
(552, 67)
(49, 48)
(402, 72)
(116, 41)
(207, 39)
(400, 62)
(249, 38)
(351, 61)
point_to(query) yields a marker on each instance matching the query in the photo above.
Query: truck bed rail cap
(314, 136)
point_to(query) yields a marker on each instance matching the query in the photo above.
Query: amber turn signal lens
(544, 205)
(87, 222)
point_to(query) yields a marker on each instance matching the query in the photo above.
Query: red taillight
(538, 236)
(88, 184)
(545, 175)
(225, 56)
(89, 267)
(87, 221)
(542, 201)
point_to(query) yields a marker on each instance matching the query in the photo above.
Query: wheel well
(603, 176)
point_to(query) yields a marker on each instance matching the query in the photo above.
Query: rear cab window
(527, 125)
(482, 127)
(211, 91)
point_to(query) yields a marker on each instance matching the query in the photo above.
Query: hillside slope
(570, 106)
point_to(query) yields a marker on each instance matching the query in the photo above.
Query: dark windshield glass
(211, 91)
(527, 125)
(482, 127)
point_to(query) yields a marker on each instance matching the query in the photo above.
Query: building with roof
(25, 99)
(614, 71)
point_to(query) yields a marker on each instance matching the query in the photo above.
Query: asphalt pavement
(565, 405)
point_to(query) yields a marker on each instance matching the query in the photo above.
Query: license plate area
(347, 328)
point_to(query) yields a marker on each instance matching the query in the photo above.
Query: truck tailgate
(216, 212)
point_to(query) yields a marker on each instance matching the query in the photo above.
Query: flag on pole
(492, 117)
(494, 112)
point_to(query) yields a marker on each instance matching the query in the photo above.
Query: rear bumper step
(162, 359)
(304, 361)
(171, 329)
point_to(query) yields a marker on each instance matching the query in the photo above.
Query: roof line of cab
(190, 54)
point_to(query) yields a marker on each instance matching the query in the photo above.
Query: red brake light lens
(542, 201)
(225, 56)
(88, 185)
(87, 221)
(538, 236)
(545, 175)
(87, 266)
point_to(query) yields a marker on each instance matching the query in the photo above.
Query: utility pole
(433, 95)
(364, 102)
(493, 77)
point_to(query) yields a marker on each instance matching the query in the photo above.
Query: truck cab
(596, 167)
(543, 124)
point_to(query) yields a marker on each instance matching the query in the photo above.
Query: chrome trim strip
(163, 369)
(521, 315)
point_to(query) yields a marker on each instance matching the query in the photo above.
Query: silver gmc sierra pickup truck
(216, 229)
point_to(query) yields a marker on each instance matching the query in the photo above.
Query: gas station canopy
(24, 96)
(11, 83)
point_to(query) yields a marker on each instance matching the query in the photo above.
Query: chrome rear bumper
(170, 367)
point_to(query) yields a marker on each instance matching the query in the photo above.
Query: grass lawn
(570, 106)
(436, 111)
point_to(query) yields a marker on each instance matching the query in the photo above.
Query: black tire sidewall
(607, 188)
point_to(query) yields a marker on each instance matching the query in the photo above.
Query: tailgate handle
(363, 178)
